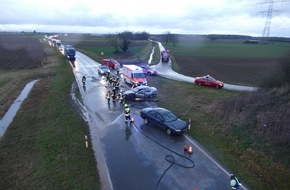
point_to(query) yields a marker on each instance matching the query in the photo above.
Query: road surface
(138, 156)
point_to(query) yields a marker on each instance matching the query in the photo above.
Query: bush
(280, 76)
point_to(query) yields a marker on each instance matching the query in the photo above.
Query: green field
(44, 146)
(197, 46)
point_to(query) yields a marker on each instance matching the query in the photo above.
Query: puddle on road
(8, 117)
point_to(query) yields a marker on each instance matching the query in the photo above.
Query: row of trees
(122, 41)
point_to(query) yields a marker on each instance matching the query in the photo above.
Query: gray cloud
(220, 16)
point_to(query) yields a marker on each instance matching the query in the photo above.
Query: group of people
(115, 96)
(112, 79)
(114, 91)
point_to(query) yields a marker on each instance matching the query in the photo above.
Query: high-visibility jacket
(120, 96)
(235, 184)
(127, 111)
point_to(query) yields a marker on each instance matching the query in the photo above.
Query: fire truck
(134, 75)
(165, 56)
(110, 63)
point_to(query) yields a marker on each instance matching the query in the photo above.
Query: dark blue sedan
(164, 119)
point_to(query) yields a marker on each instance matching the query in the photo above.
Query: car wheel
(168, 131)
(199, 84)
(146, 122)
(217, 87)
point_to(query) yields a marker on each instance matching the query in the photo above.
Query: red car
(208, 81)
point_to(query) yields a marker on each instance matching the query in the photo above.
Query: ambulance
(134, 75)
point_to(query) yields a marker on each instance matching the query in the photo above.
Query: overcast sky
(152, 16)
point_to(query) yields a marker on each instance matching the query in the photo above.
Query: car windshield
(137, 89)
(139, 75)
(169, 117)
(209, 79)
(70, 50)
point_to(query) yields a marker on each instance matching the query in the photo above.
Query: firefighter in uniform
(84, 80)
(116, 85)
(127, 113)
(121, 98)
(235, 183)
(107, 77)
(108, 96)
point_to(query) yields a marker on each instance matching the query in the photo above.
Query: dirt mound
(265, 114)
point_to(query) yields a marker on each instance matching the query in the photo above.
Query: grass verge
(229, 144)
(43, 148)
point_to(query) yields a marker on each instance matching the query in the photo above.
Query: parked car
(208, 81)
(148, 70)
(140, 92)
(163, 119)
(103, 70)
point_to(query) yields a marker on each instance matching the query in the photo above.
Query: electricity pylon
(269, 13)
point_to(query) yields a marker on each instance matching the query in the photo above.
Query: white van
(134, 75)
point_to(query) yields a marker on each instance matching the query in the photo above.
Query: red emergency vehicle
(110, 63)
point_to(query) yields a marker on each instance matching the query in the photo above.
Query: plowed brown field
(20, 52)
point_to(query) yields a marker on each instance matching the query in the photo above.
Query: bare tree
(126, 38)
(114, 40)
(168, 37)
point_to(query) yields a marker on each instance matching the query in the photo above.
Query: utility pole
(269, 13)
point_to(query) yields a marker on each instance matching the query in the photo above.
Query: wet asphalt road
(140, 157)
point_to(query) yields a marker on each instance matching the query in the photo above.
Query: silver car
(140, 93)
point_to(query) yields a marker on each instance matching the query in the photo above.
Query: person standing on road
(107, 77)
(84, 80)
(121, 98)
(118, 71)
(108, 96)
(235, 183)
(127, 113)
